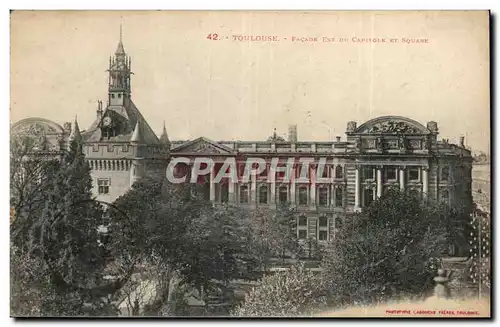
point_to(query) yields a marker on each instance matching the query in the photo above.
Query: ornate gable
(202, 146)
(391, 125)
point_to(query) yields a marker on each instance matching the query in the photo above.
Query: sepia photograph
(250, 164)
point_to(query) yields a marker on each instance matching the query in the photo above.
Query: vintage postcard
(250, 164)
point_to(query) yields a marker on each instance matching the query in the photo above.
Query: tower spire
(75, 133)
(164, 136)
(120, 51)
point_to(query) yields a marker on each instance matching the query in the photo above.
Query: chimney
(292, 133)
(99, 109)
(462, 141)
(337, 138)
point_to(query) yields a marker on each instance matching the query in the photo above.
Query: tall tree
(65, 237)
(30, 172)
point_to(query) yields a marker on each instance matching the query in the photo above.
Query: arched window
(303, 196)
(283, 194)
(339, 173)
(323, 196)
(243, 194)
(263, 194)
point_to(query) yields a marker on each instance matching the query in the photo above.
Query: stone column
(272, 178)
(402, 178)
(212, 184)
(231, 188)
(332, 195)
(425, 181)
(357, 188)
(312, 176)
(292, 186)
(379, 181)
(253, 189)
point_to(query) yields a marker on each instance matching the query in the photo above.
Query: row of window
(320, 227)
(110, 147)
(109, 164)
(302, 195)
(390, 173)
(338, 172)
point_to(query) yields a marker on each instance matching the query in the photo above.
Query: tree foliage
(64, 241)
(388, 250)
(295, 292)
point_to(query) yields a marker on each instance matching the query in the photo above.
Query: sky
(227, 89)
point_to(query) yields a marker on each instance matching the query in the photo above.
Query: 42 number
(213, 36)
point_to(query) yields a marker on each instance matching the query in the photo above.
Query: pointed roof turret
(137, 135)
(164, 136)
(75, 132)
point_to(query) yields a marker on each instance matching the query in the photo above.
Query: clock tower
(120, 145)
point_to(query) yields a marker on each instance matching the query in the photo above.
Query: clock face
(106, 121)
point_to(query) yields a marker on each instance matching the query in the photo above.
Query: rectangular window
(413, 174)
(445, 173)
(390, 173)
(103, 185)
(325, 174)
(302, 227)
(302, 234)
(283, 194)
(368, 173)
(303, 196)
(368, 197)
(323, 196)
(323, 235)
(243, 194)
(263, 194)
(339, 172)
(339, 197)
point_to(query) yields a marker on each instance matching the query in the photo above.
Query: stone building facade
(386, 151)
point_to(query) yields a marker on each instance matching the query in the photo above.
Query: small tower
(164, 138)
(99, 110)
(75, 135)
(137, 141)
